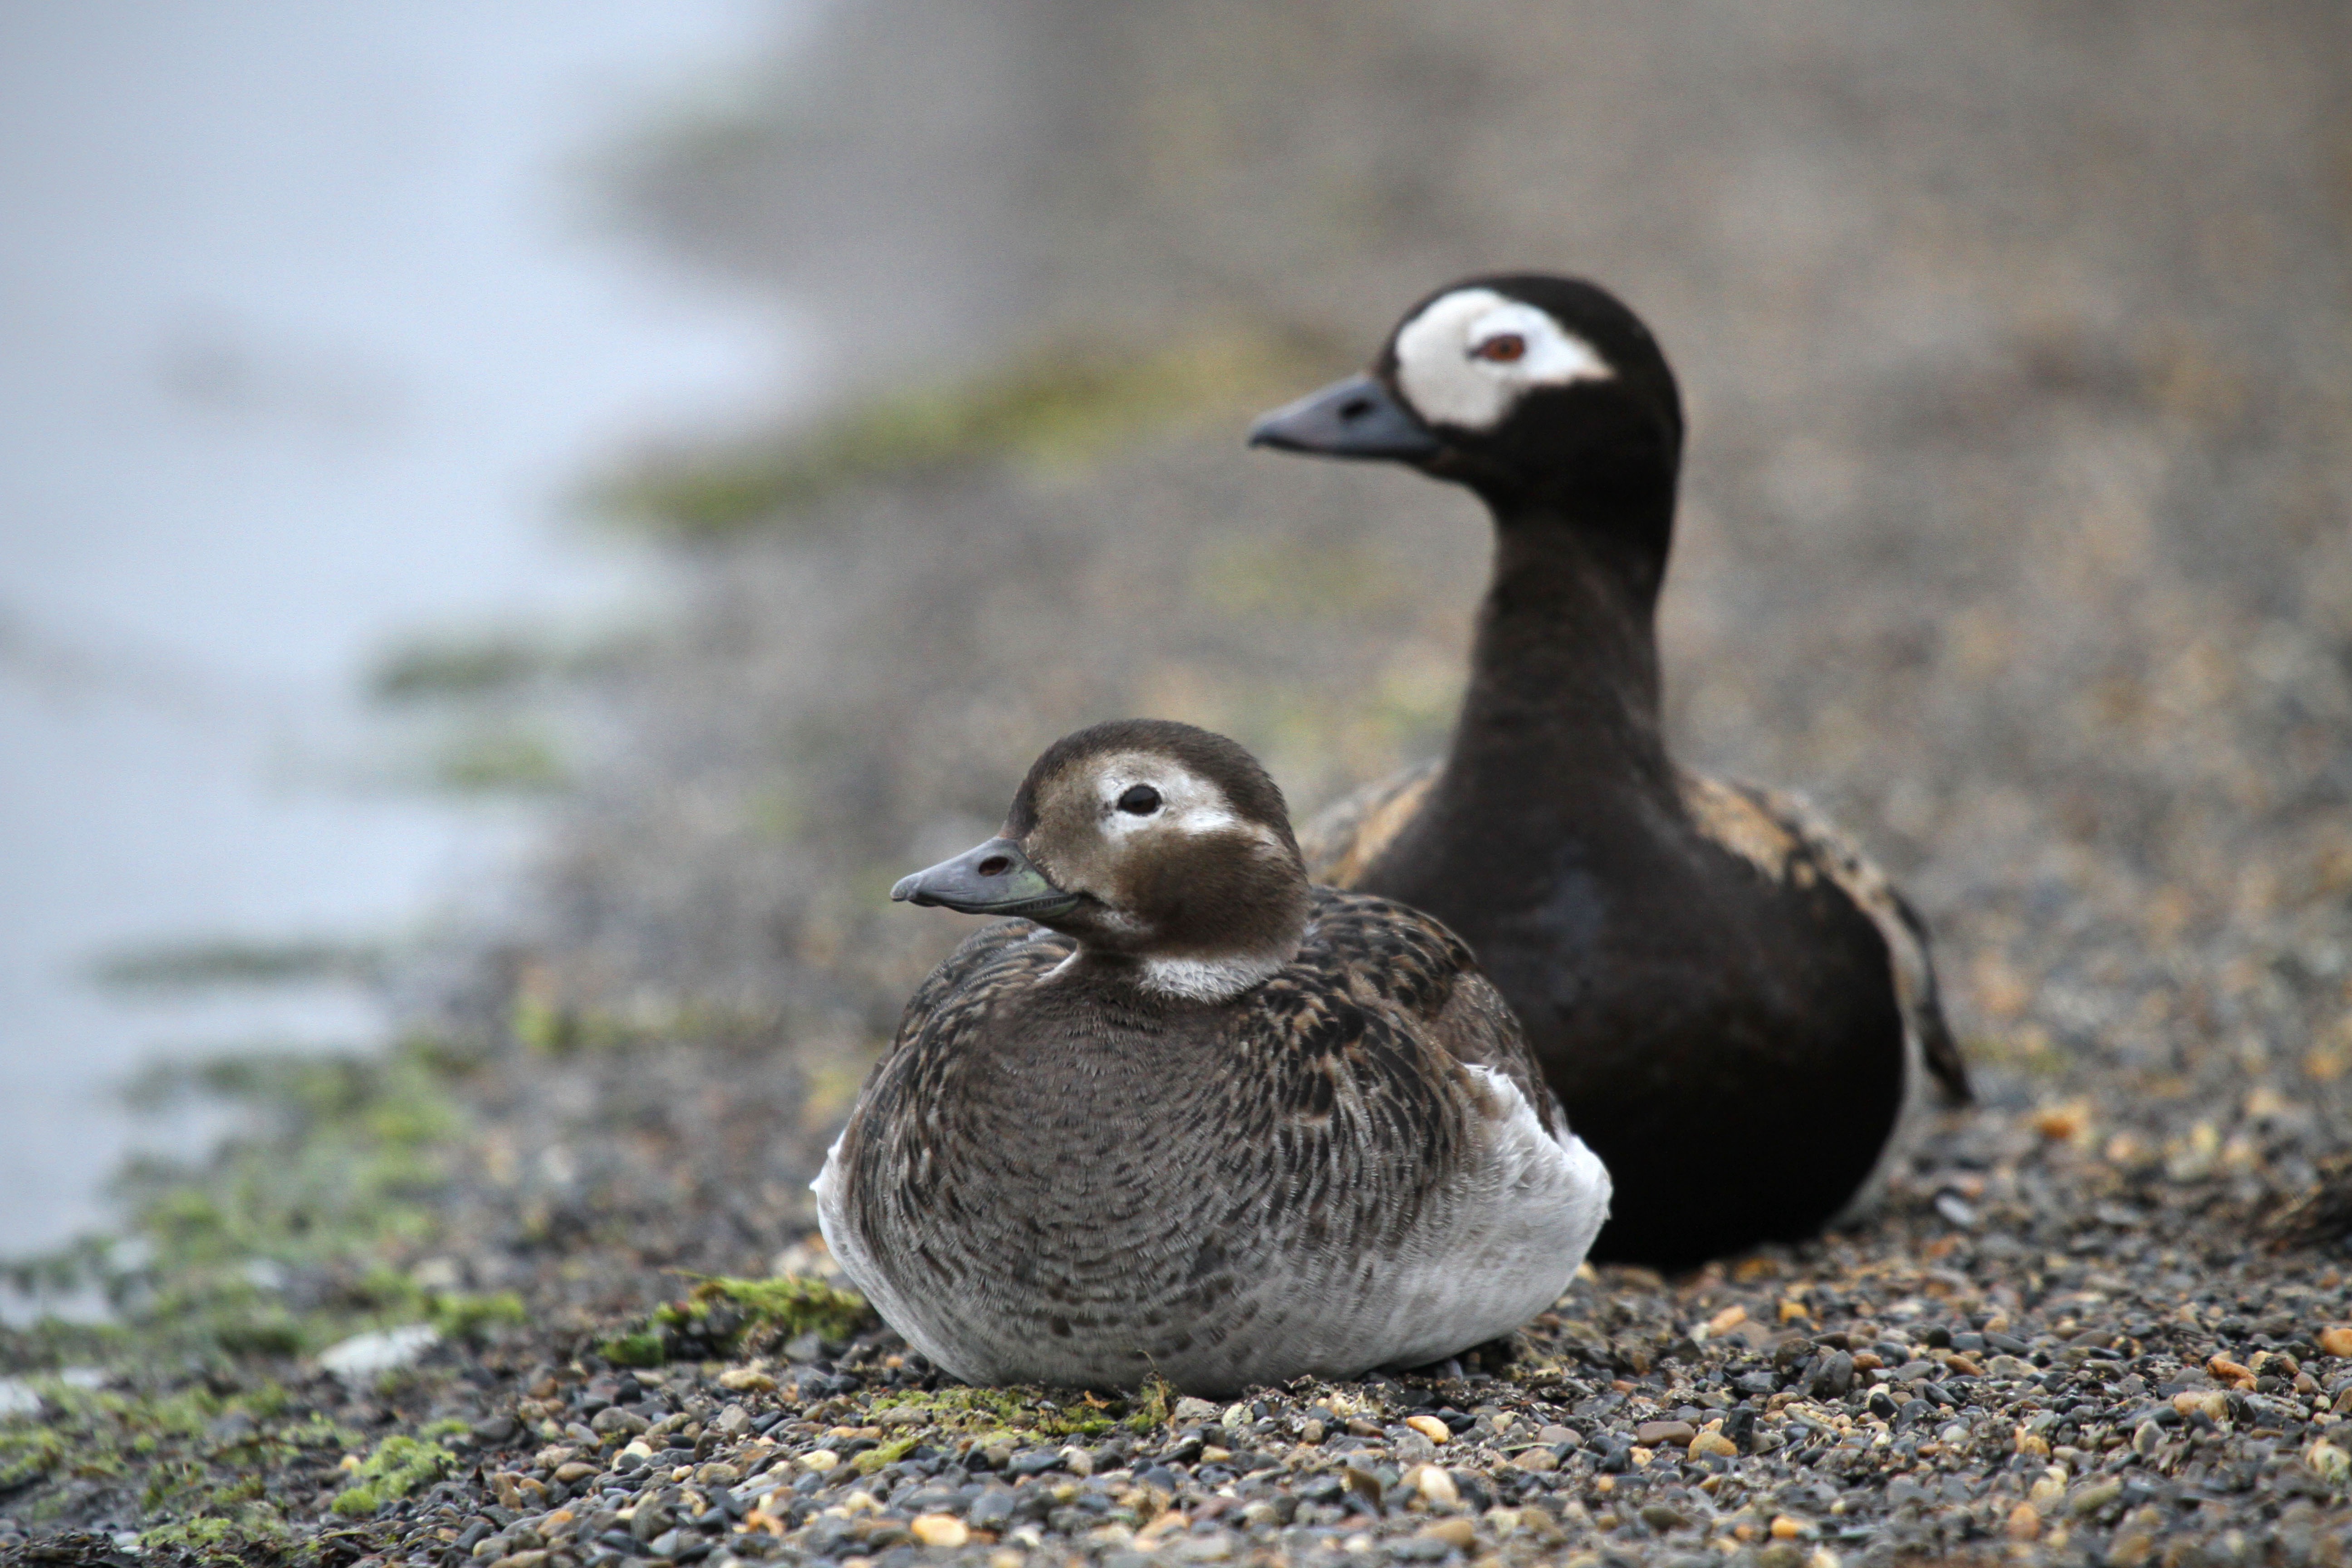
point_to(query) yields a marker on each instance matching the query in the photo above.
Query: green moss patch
(513, 759)
(723, 1316)
(1029, 1413)
(209, 1471)
(1060, 404)
(398, 1467)
(215, 1539)
(228, 961)
(889, 1453)
(334, 1176)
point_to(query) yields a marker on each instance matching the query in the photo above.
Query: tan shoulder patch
(1782, 836)
(1349, 835)
(1738, 820)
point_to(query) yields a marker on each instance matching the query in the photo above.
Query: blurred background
(523, 522)
(314, 316)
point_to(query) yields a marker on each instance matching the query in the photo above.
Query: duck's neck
(1207, 977)
(1564, 671)
(1229, 922)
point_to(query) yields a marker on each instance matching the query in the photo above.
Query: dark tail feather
(1942, 1052)
(2321, 1217)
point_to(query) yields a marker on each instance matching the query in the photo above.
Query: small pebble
(939, 1530)
(2231, 1372)
(1458, 1533)
(1430, 1426)
(1437, 1488)
(2208, 1401)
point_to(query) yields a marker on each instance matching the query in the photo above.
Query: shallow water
(313, 318)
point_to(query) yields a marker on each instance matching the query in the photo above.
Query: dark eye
(1503, 348)
(1141, 801)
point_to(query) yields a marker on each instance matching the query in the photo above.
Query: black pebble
(1832, 1375)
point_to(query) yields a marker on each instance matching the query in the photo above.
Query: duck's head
(1530, 389)
(1150, 841)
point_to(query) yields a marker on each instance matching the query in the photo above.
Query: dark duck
(1737, 1008)
(1187, 1114)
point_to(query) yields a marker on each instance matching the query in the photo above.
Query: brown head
(1148, 841)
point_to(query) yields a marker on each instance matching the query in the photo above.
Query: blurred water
(311, 318)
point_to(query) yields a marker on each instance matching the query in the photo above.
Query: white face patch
(1469, 357)
(1188, 802)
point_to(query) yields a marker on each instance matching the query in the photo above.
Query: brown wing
(961, 989)
(1788, 840)
(1379, 949)
(1348, 835)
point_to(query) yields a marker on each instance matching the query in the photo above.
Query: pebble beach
(2016, 339)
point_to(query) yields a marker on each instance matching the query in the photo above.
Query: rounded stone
(939, 1530)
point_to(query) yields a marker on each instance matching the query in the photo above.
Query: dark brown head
(1147, 840)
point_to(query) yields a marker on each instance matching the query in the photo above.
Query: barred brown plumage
(1063, 1174)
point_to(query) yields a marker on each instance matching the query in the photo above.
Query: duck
(1178, 1112)
(1737, 1008)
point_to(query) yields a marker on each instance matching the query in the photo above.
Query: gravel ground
(2018, 350)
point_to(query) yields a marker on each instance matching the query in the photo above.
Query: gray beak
(996, 878)
(1357, 417)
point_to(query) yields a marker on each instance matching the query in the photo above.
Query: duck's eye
(1141, 800)
(1503, 348)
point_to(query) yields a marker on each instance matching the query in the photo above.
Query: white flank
(1507, 1247)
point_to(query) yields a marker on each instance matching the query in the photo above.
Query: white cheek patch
(1189, 804)
(1441, 374)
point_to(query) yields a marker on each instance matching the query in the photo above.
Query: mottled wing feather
(958, 994)
(1784, 837)
(1346, 836)
(1374, 948)
(1479, 1027)
(1318, 1175)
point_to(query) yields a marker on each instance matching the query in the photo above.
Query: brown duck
(1190, 1115)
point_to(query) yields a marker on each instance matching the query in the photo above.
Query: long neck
(1564, 671)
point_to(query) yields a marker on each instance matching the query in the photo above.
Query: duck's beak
(1357, 417)
(996, 879)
